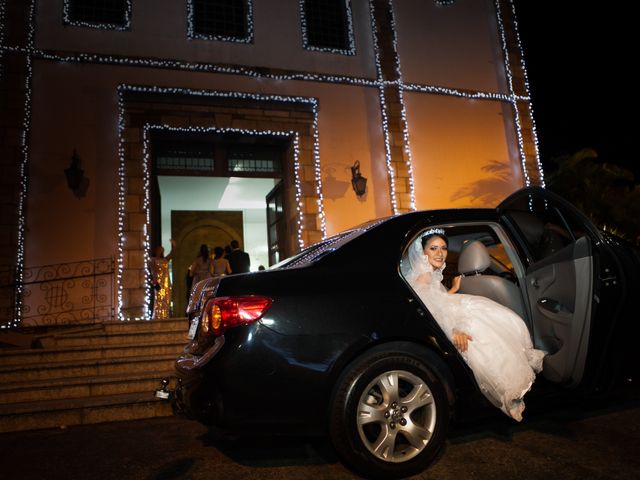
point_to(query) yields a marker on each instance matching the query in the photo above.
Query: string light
(459, 93)
(383, 110)
(192, 34)
(121, 203)
(126, 25)
(193, 66)
(351, 48)
(514, 101)
(298, 184)
(317, 171)
(23, 172)
(235, 70)
(146, 208)
(534, 132)
(2, 29)
(516, 114)
(403, 112)
(146, 205)
(122, 89)
(444, 3)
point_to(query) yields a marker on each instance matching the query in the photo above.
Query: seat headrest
(474, 258)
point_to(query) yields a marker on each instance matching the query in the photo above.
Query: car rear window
(317, 251)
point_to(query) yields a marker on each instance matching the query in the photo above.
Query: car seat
(474, 260)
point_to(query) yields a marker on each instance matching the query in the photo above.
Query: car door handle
(610, 279)
(607, 277)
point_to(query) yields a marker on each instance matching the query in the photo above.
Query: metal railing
(66, 293)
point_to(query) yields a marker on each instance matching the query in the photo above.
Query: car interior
(551, 290)
(477, 253)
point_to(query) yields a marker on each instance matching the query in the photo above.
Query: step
(29, 337)
(88, 368)
(90, 352)
(81, 411)
(177, 324)
(77, 387)
(89, 374)
(48, 338)
(120, 338)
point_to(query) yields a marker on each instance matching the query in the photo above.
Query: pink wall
(459, 45)
(464, 151)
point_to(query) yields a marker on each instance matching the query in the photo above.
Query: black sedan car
(335, 340)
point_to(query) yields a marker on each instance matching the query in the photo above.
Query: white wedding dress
(500, 353)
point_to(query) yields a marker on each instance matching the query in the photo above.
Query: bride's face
(436, 252)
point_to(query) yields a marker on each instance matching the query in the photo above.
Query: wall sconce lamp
(76, 180)
(358, 182)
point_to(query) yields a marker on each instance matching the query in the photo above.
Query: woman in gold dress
(159, 268)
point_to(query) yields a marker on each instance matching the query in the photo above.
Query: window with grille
(254, 159)
(114, 14)
(227, 20)
(217, 158)
(327, 26)
(185, 158)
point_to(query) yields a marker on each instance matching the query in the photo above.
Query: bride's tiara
(432, 231)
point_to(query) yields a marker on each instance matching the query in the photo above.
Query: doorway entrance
(191, 229)
(151, 115)
(209, 189)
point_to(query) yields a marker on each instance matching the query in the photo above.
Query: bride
(492, 339)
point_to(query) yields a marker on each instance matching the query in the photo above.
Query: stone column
(525, 114)
(14, 141)
(392, 104)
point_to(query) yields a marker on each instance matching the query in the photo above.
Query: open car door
(556, 242)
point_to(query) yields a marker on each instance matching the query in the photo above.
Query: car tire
(389, 413)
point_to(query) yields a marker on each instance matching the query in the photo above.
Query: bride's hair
(434, 232)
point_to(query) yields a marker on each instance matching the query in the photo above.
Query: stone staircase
(102, 373)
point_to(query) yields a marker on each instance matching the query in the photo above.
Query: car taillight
(222, 313)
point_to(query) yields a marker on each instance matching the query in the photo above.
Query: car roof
(382, 233)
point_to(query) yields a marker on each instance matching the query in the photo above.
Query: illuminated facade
(430, 97)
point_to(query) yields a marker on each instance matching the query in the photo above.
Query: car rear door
(557, 244)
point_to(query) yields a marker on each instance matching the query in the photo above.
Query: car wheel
(389, 414)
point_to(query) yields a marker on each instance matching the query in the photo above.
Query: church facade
(273, 122)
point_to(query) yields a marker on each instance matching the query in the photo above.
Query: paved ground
(570, 443)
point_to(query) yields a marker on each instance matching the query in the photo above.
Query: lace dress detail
(500, 354)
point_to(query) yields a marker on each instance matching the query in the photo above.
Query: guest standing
(239, 260)
(220, 265)
(161, 283)
(201, 266)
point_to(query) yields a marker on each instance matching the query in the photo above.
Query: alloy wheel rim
(396, 416)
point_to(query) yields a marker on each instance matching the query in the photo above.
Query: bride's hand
(455, 284)
(461, 340)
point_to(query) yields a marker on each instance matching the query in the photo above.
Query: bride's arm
(459, 337)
